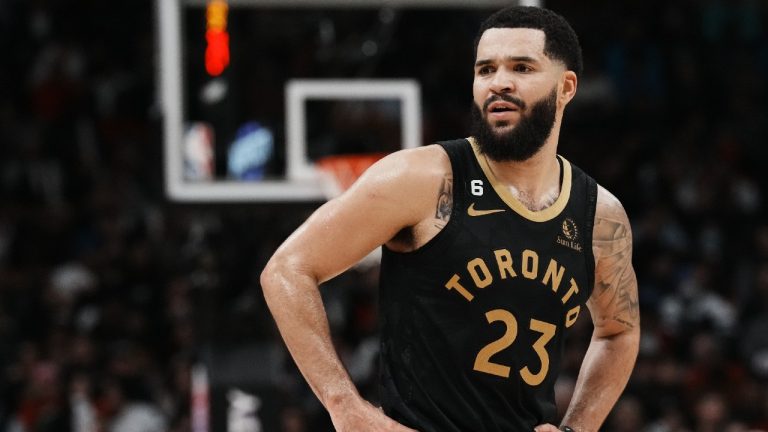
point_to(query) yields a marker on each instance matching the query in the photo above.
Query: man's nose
(503, 82)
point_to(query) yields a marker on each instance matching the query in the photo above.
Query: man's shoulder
(612, 229)
(420, 162)
(608, 205)
(406, 176)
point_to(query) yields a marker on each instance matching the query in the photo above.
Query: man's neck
(535, 182)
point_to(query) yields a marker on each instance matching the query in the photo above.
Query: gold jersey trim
(545, 215)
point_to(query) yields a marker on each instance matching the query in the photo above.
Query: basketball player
(492, 247)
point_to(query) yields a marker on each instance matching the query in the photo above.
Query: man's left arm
(615, 312)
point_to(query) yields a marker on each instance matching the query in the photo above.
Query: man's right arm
(395, 193)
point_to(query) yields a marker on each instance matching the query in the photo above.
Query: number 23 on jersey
(483, 360)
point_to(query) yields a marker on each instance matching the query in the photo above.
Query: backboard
(248, 133)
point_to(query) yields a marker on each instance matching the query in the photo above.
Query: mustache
(506, 98)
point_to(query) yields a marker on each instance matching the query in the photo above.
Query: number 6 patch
(476, 187)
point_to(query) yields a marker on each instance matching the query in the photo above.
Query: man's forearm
(295, 302)
(604, 373)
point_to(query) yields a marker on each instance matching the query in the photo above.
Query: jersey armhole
(457, 151)
(454, 150)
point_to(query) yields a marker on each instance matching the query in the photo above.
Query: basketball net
(339, 172)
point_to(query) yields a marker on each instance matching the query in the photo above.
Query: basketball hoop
(339, 172)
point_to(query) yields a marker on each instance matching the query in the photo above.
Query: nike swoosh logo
(473, 212)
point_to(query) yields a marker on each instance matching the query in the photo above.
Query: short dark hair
(561, 42)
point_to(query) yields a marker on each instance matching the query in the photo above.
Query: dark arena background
(154, 154)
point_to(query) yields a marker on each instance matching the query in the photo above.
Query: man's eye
(485, 70)
(522, 68)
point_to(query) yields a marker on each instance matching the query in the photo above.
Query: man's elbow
(627, 333)
(271, 277)
(630, 338)
(283, 276)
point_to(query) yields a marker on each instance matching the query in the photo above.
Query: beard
(525, 139)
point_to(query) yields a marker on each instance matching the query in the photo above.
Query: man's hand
(546, 428)
(361, 416)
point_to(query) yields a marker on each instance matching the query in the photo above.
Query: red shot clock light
(217, 50)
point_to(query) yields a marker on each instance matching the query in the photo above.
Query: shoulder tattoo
(444, 201)
(615, 281)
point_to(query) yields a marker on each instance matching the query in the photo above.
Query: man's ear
(568, 87)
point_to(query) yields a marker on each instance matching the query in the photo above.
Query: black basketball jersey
(473, 322)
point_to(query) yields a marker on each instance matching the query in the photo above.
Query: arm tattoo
(444, 201)
(615, 281)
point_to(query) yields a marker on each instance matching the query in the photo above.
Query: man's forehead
(513, 42)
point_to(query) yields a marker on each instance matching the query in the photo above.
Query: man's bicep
(614, 301)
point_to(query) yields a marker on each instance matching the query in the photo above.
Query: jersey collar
(548, 213)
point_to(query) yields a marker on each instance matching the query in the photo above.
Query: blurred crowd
(110, 294)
